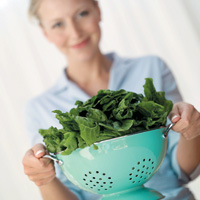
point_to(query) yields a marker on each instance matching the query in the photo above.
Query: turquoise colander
(120, 166)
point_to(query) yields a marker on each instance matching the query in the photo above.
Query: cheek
(93, 27)
(58, 40)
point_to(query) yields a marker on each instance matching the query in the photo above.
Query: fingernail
(38, 152)
(175, 116)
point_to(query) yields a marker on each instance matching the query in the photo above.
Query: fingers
(186, 119)
(38, 169)
(39, 150)
(174, 115)
(175, 118)
(193, 128)
(33, 157)
(186, 112)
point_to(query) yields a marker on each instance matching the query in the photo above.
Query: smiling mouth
(80, 45)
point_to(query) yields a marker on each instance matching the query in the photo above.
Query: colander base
(140, 193)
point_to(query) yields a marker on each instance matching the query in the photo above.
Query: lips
(80, 45)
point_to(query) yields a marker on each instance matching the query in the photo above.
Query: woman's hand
(186, 119)
(39, 170)
(187, 123)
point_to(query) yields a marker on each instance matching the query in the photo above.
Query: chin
(84, 56)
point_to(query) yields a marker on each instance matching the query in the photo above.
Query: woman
(73, 26)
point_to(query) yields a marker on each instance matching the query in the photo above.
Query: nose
(74, 30)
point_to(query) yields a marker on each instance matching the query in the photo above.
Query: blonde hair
(33, 8)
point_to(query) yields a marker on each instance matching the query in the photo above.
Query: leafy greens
(107, 115)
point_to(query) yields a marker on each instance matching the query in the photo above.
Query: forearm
(188, 154)
(56, 190)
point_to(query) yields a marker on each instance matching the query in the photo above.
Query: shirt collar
(63, 82)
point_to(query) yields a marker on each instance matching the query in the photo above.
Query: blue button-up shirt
(128, 74)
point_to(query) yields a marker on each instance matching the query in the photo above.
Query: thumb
(174, 115)
(39, 150)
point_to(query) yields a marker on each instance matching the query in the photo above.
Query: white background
(29, 65)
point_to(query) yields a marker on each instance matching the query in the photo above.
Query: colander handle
(167, 129)
(52, 157)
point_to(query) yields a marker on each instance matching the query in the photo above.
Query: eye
(58, 25)
(83, 13)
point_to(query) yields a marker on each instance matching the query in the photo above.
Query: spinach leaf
(109, 114)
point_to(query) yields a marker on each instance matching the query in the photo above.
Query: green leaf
(149, 89)
(70, 142)
(89, 129)
(96, 115)
(109, 114)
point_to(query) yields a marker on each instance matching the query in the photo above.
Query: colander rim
(123, 136)
(130, 134)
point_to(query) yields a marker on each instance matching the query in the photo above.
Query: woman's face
(73, 26)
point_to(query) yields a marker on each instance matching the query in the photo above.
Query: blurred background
(29, 65)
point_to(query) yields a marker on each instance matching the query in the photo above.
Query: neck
(84, 73)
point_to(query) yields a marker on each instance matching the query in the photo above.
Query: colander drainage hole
(142, 170)
(97, 180)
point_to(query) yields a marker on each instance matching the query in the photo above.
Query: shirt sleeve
(179, 172)
(169, 84)
(32, 123)
(172, 92)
